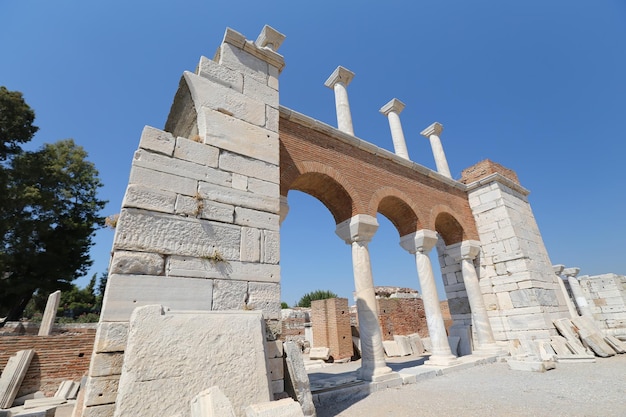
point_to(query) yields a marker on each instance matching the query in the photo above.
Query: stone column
(420, 243)
(577, 292)
(432, 132)
(50, 314)
(338, 81)
(466, 254)
(558, 270)
(392, 111)
(357, 232)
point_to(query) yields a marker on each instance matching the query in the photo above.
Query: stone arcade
(200, 221)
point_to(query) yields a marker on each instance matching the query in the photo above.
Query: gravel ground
(572, 389)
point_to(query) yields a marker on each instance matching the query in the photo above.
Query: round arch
(447, 225)
(398, 208)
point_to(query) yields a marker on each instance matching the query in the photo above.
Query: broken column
(357, 232)
(338, 81)
(420, 243)
(13, 375)
(433, 132)
(558, 270)
(50, 314)
(577, 292)
(392, 111)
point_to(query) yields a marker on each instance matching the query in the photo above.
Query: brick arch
(447, 224)
(398, 208)
(325, 184)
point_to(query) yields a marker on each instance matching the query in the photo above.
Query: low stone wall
(58, 357)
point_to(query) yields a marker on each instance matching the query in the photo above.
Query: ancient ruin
(191, 319)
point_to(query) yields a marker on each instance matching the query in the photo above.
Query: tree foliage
(49, 214)
(16, 122)
(306, 299)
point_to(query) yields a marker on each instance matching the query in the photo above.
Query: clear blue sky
(538, 86)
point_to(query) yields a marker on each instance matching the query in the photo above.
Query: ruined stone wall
(606, 295)
(401, 317)
(330, 320)
(57, 358)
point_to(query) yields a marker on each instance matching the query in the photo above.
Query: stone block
(213, 71)
(260, 91)
(235, 135)
(175, 235)
(137, 263)
(101, 390)
(404, 345)
(127, 292)
(275, 366)
(211, 403)
(297, 383)
(256, 218)
(157, 140)
(106, 364)
(204, 209)
(531, 365)
(237, 59)
(13, 375)
(286, 407)
(106, 410)
(416, 344)
(464, 333)
(454, 342)
(266, 188)
(157, 180)
(240, 199)
(111, 337)
(391, 348)
(278, 387)
(240, 182)
(182, 266)
(265, 297)
(270, 247)
(147, 198)
(229, 294)
(272, 117)
(250, 244)
(164, 366)
(252, 168)
(322, 353)
(49, 314)
(197, 152)
(274, 349)
(44, 402)
(68, 389)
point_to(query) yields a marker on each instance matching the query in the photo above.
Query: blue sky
(538, 86)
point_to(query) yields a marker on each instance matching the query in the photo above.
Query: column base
(376, 374)
(442, 360)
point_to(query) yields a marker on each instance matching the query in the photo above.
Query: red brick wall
(485, 168)
(401, 316)
(57, 358)
(330, 320)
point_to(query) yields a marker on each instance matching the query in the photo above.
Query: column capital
(394, 105)
(269, 38)
(339, 75)
(571, 272)
(434, 129)
(359, 228)
(421, 241)
(558, 269)
(467, 249)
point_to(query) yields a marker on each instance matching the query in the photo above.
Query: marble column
(420, 243)
(392, 111)
(465, 254)
(558, 270)
(357, 232)
(338, 81)
(577, 292)
(433, 132)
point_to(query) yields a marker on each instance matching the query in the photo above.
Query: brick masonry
(330, 320)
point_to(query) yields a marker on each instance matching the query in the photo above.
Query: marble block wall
(199, 223)
(606, 295)
(519, 286)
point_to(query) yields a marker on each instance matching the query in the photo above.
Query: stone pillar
(432, 132)
(577, 292)
(468, 251)
(357, 232)
(420, 243)
(49, 314)
(392, 111)
(338, 81)
(558, 270)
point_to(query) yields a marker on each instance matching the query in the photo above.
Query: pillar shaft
(392, 111)
(558, 269)
(357, 232)
(338, 81)
(577, 292)
(432, 132)
(420, 243)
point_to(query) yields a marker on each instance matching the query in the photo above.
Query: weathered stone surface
(204, 209)
(322, 353)
(127, 292)
(274, 349)
(49, 314)
(111, 337)
(238, 136)
(286, 407)
(199, 153)
(250, 244)
(464, 333)
(229, 294)
(139, 196)
(140, 231)
(416, 344)
(137, 263)
(238, 198)
(162, 181)
(99, 411)
(182, 266)
(211, 403)
(391, 348)
(265, 296)
(270, 247)
(297, 383)
(256, 218)
(235, 58)
(157, 140)
(164, 367)
(101, 390)
(249, 167)
(13, 375)
(404, 345)
(211, 70)
(275, 366)
(106, 364)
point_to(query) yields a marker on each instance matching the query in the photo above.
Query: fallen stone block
(567, 330)
(427, 344)
(596, 343)
(23, 398)
(47, 411)
(391, 348)
(617, 345)
(286, 407)
(404, 345)
(67, 389)
(13, 375)
(43, 402)
(416, 344)
(211, 403)
(530, 365)
(297, 383)
(322, 353)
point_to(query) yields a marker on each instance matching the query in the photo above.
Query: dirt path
(582, 389)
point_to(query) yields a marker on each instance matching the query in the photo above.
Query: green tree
(49, 214)
(306, 299)
(16, 122)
